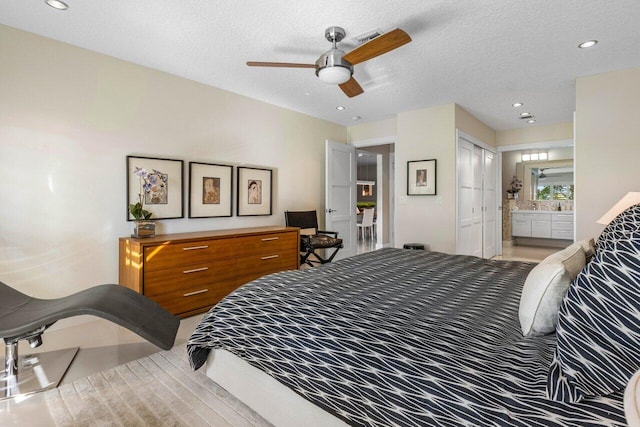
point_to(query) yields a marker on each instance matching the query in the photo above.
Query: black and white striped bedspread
(399, 337)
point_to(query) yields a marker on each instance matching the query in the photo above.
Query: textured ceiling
(481, 54)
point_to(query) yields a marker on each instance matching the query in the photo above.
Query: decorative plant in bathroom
(516, 185)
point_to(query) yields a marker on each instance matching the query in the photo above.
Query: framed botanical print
(421, 177)
(210, 190)
(254, 191)
(154, 186)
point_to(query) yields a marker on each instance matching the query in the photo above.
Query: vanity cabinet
(543, 225)
(562, 225)
(520, 225)
(188, 273)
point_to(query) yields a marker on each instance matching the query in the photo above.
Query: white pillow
(545, 287)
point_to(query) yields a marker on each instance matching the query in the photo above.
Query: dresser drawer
(194, 297)
(167, 256)
(252, 267)
(266, 244)
(183, 278)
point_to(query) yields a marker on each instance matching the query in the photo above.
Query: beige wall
(372, 130)
(607, 144)
(68, 119)
(427, 134)
(526, 135)
(474, 127)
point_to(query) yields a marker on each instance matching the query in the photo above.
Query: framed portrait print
(254, 191)
(157, 184)
(210, 190)
(421, 177)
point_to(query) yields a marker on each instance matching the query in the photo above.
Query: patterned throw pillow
(598, 328)
(625, 223)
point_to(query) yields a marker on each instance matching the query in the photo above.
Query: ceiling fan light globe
(334, 75)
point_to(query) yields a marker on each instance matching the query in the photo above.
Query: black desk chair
(26, 318)
(320, 239)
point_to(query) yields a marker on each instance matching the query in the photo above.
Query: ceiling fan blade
(279, 64)
(351, 88)
(381, 44)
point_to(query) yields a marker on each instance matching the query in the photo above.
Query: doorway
(537, 182)
(375, 189)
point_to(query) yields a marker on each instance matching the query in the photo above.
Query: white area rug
(158, 390)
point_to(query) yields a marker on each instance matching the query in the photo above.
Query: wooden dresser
(187, 273)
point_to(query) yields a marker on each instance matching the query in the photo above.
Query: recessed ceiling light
(356, 118)
(531, 121)
(340, 107)
(525, 114)
(587, 44)
(517, 104)
(57, 4)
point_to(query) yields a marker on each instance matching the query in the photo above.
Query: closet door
(476, 233)
(489, 203)
(465, 198)
(477, 209)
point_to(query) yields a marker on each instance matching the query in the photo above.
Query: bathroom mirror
(548, 180)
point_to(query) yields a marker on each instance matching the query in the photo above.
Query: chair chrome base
(36, 372)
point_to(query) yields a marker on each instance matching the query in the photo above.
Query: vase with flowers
(516, 186)
(151, 184)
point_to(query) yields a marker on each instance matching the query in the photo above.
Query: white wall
(68, 119)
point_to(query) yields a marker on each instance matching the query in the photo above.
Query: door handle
(331, 210)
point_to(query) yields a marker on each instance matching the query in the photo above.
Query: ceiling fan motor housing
(331, 68)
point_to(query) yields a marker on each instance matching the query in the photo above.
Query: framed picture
(254, 191)
(157, 184)
(210, 190)
(421, 177)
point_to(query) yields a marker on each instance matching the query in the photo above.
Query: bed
(391, 337)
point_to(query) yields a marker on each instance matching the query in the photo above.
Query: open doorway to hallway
(375, 183)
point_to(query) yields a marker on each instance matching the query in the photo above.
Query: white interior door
(476, 210)
(340, 195)
(465, 197)
(489, 194)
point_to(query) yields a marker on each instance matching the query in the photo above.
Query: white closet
(476, 210)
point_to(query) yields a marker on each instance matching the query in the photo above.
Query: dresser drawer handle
(266, 239)
(193, 248)
(190, 294)
(270, 257)
(195, 270)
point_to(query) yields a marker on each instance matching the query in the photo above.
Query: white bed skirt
(277, 403)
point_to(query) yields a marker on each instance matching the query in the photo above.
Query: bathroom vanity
(542, 224)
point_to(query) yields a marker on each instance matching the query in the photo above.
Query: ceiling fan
(336, 67)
